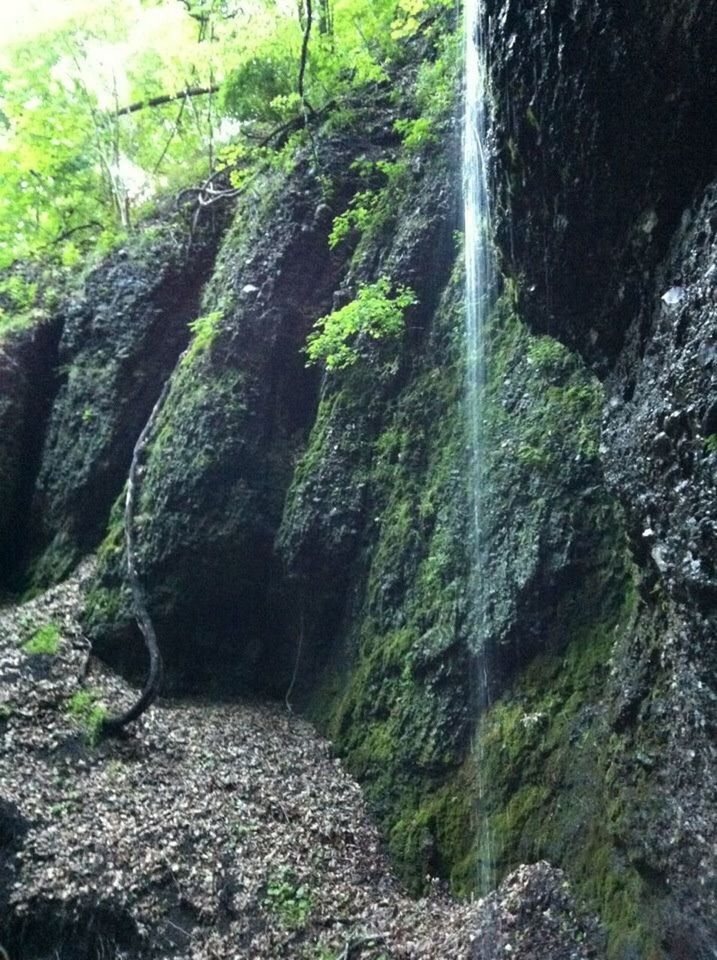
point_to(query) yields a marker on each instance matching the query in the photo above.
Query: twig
(176, 926)
(115, 723)
(163, 154)
(174, 878)
(83, 226)
(287, 698)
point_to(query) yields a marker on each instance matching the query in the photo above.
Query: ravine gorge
(358, 459)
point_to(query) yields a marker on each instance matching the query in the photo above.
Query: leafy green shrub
(90, 715)
(711, 443)
(288, 899)
(359, 215)
(416, 134)
(45, 640)
(376, 312)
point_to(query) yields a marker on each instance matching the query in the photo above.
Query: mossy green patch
(555, 597)
(53, 565)
(44, 641)
(289, 899)
(394, 708)
(545, 753)
(84, 707)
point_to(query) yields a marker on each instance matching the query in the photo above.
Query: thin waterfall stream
(479, 284)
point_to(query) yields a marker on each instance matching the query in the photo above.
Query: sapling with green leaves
(378, 312)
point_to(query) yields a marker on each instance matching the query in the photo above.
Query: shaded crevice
(66, 931)
(40, 357)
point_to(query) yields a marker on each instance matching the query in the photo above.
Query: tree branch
(305, 46)
(160, 100)
(116, 722)
(92, 225)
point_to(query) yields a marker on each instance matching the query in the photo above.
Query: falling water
(479, 285)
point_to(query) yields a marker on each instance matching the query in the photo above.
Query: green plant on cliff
(204, 330)
(358, 215)
(370, 206)
(377, 312)
(45, 640)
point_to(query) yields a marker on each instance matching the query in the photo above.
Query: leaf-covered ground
(215, 830)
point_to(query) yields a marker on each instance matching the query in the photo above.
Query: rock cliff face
(28, 383)
(120, 340)
(312, 532)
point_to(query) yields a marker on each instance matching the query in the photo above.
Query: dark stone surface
(120, 340)
(13, 827)
(28, 384)
(663, 389)
(604, 128)
(660, 416)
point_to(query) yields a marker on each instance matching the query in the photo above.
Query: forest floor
(214, 830)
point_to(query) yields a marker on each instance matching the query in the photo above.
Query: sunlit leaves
(377, 313)
(77, 167)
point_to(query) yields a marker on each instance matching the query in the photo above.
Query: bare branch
(115, 723)
(160, 100)
(305, 46)
(92, 225)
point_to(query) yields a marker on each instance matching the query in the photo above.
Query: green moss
(105, 603)
(102, 605)
(113, 543)
(88, 713)
(398, 702)
(556, 415)
(204, 332)
(435, 837)
(45, 640)
(545, 758)
(53, 565)
(393, 708)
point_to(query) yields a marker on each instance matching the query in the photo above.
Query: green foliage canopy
(105, 106)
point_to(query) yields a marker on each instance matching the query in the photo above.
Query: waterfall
(479, 284)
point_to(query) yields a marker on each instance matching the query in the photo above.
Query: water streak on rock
(479, 275)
